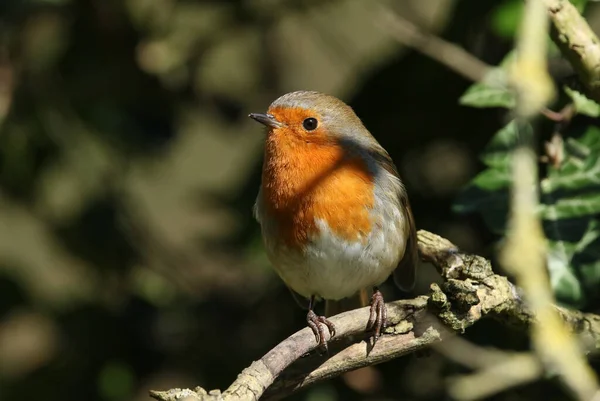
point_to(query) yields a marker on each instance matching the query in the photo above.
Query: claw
(316, 324)
(378, 315)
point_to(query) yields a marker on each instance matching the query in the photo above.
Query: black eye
(310, 124)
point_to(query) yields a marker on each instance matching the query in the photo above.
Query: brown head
(315, 118)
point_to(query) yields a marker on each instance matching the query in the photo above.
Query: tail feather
(356, 301)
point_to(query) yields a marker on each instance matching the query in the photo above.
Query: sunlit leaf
(583, 104)
(589, 237)
(492, 91)
(578, 206)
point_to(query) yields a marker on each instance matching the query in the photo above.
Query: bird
(334, 214)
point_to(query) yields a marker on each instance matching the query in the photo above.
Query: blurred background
(129, 258)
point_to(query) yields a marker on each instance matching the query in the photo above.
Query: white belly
(332, 268)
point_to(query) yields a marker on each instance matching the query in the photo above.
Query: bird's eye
(310, 124)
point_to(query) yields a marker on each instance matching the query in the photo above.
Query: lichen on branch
(469, 292)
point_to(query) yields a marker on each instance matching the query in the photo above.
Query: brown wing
(405, 273)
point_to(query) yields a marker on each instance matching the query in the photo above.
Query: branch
(469, 292)
(577, 42)
(448, 54)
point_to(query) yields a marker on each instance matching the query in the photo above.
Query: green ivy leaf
(591, 235)
(498, 151)
(565, 284)
(570, 194)
(569, 207)
(578, 206)
(487, 193)
(493, 179)
(574, 263)
(581, 166)
(493, 90)
(590, 276)
(583, 104)
(491, 205)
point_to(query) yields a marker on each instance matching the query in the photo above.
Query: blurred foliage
(129, 258)
(570, 189)
(507, 14)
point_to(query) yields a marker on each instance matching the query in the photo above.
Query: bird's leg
(316, 324)
(378, 314)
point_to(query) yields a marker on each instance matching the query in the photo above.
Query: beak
(266, 119)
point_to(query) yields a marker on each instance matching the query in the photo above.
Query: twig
(495, 370)
(470, 292)
(512, 371)
(452, 56)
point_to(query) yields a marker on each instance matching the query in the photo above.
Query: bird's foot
(378, 315)
(316, 323)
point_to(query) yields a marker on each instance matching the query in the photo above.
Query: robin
(334, 215)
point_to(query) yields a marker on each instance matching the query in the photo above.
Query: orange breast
(302, 182)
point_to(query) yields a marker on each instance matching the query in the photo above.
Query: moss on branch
(469, 292)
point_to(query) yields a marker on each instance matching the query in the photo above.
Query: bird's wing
(406, 271)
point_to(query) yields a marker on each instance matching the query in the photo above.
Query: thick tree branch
(469, 292)
(577, 42)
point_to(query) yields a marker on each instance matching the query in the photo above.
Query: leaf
(565, 284)
(591, 235)
(570, 194)
(487, 193)
(590, 139)
(583, 104)
(574, 260)
(493, 179)
(578, 206)
(590, 276)
(498, 151)
(569, 208)
(491, 205)
(581, 167)
(493, 90)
